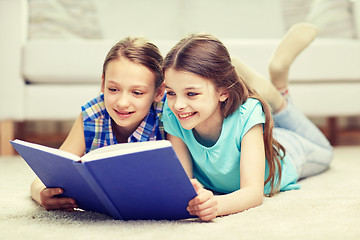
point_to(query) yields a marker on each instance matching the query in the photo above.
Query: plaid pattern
(98, 131)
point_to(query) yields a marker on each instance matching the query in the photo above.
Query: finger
(203, 196)
(49, 200)
(65, 207)
(196, 184)
(211, 203)
(59, 206)
(207, 213)
(63, 201)
(208, 217)
(50, 192)
(68, 209)
(202, 209)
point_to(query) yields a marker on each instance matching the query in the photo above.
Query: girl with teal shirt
(234, 131)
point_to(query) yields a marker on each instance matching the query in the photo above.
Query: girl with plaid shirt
(127, 110)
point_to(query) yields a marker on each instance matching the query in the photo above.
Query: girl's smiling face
(129, 91)
(194, 100)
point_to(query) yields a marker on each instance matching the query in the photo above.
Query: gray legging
(304, 143)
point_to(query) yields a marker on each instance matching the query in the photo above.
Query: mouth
(124, 113)
(186, 115)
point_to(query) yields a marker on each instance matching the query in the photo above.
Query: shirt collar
(147, 128)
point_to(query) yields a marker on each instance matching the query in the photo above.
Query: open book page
(124, 148)
(54, 151)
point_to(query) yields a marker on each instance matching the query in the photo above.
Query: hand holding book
(143, 180)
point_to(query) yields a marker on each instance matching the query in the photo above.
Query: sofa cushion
(56, 61)
(65, 61)
(81, 61)
(324, 60)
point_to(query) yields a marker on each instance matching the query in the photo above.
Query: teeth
(185, 115)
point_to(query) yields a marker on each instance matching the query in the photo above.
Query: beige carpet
(326, 207)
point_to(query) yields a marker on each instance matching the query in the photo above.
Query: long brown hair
(141, 51)
(206, 56)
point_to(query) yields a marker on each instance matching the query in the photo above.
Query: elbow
(258, 197)
(259, 200)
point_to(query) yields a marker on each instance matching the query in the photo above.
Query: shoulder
(250, 108)
(248, 115)
(94, 109)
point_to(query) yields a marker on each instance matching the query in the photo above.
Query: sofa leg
(7, 133)
(333, 130)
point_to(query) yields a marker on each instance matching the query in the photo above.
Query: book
(130, 181)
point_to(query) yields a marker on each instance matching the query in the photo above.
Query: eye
(112, 89)
(170, 93)
(192, 94)
(138, 93)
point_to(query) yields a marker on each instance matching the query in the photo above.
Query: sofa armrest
(13, 32)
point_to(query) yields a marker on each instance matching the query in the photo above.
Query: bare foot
(293, 43)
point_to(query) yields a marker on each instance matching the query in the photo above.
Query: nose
(123, 100)
(179, 104)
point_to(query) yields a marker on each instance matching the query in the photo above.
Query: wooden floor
(24, 131)
(347, 137)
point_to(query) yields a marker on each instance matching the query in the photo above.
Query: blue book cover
(131, 181)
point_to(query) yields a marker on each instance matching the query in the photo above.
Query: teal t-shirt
(218, 167)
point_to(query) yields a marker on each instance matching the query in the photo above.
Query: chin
(187, 126)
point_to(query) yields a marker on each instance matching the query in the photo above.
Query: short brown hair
(141, 51)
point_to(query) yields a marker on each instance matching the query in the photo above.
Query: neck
(121, 134)
(208, 134)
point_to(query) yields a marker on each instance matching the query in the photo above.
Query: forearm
(239, 201)
(36, 187)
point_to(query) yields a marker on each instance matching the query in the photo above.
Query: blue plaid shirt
(98, 130)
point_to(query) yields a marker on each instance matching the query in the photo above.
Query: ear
(224, 95)
(160, 93)
(102, 83)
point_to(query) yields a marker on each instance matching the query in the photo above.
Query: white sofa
(50, 79)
